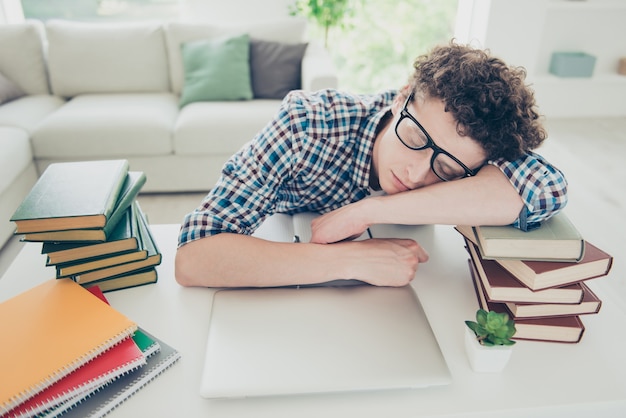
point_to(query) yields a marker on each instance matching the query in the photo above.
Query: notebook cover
(58, 326)
(72, 195)
(108, 366)
(112, 395)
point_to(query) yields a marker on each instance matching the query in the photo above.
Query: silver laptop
(319, 339)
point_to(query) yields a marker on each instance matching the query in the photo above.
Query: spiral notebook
(112, 395)
(53, 329)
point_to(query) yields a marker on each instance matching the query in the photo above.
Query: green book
(76, 195)
(557, 239)
(123, 239)
(146, 242)
(132, 185)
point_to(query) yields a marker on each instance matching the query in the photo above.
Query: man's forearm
(485, 199)
(232, 260)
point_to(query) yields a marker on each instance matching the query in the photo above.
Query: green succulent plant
(492, 328)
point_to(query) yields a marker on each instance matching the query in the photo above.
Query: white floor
(590, 151)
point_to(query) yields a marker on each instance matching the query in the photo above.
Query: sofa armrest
(318, 70)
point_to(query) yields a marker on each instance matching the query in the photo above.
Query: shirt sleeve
(248, 186)
(542, 187)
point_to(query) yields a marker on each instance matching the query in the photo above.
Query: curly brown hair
(488, 99)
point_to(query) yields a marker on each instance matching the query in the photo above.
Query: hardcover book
(123, 239)
(133, 183)
(590, 304)
(125, 281)
(537, 275)
(557, 239)
(147, 242)
(55, 328)
(562, 329)
(76, 195)
(500, 285)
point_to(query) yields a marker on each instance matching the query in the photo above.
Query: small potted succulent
(488, 341)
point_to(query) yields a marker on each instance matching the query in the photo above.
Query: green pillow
(217, 69)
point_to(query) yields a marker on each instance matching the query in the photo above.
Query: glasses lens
(447, 168)
(410, 134)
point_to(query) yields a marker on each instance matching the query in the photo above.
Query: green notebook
(74, 195)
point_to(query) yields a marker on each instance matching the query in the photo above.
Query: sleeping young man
(453, 146)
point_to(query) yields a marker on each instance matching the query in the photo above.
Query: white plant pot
(486, 359)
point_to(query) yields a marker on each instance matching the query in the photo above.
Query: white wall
(527, 32)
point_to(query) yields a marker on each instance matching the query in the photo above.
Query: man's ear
(398, 101)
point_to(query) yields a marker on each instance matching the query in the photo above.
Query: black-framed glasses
(413, 135)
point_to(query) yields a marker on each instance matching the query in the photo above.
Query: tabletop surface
(542, 379)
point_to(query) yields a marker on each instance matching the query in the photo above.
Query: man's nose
(419, 172)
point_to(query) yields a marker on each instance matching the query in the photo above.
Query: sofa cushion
(9, 90)
(86, 58)
(221, 127)
(27, 112)
(289, 30)
(16, 155)
(275, 68)
(108, 125)
(22, 56)
(216, 69)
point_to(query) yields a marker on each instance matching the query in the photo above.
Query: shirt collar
(365, 148)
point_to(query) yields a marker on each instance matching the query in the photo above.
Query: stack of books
(91, 225)
(72, 354)
(538, 277)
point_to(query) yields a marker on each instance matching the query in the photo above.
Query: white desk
(541, 380)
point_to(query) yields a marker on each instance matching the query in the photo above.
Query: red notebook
(113, 363)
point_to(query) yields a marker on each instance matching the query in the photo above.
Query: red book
(502, 286)
(590, 304)
(544, 274)
(562, 329)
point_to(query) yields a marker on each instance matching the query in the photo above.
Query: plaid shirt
(315, 156)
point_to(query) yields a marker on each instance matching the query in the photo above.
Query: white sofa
(98, 91)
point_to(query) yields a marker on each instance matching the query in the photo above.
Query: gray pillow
(275, 68)
(9, 90)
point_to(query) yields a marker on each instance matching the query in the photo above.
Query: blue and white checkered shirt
(315, 156)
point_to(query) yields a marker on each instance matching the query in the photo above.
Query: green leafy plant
(492, 328)
(326, 13)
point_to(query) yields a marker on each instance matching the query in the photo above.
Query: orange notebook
(53, 329)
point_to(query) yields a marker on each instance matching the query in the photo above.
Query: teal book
(132, 185)
(123, 239)
(127, 280)
(76, 195)
(146, 241)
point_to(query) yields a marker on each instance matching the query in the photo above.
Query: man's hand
(382, 262)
